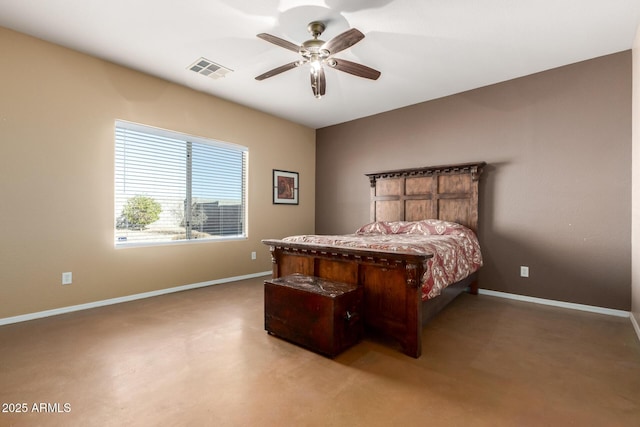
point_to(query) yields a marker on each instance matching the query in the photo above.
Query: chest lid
(314, 284)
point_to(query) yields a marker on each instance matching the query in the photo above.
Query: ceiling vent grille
(209, 68)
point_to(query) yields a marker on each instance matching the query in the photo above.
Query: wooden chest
(318, 314)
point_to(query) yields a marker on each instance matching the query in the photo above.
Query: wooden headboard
(447, 192)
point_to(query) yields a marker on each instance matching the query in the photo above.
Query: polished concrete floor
(202, 358)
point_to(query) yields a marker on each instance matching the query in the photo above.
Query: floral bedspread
(455, 248)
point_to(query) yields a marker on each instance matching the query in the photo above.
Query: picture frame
(285, 187)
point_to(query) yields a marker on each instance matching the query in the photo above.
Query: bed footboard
(390, 281)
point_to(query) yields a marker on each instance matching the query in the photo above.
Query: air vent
(209, 68)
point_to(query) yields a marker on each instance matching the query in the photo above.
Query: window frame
(188, 140)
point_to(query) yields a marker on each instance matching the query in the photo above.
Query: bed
(400, 293)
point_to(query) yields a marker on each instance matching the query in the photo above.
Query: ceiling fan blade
(318, 83)
(278, 70)
(354, 68)
(343, 41)
(279, 42)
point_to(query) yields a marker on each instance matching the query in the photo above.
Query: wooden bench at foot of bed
(318, 314)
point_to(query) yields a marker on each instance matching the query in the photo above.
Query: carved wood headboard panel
(447, 192)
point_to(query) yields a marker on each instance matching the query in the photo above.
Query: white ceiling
(425, 49)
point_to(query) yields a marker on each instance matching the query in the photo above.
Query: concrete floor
(202, 358)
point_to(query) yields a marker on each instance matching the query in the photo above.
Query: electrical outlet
(253, 255)
(67, 278)
(524, 271)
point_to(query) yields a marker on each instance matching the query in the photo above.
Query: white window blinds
(171, 187)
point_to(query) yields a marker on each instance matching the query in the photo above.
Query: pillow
(377, 227)
(424, 227)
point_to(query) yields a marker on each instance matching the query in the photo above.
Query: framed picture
(285, 187)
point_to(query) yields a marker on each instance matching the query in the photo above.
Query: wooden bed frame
(391, 280)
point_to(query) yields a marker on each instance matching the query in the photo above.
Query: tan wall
(635, 242)
(556, 193)
(57, 113)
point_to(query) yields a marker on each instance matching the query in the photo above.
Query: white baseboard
(111, 301)
(634, 322)
(573, 306)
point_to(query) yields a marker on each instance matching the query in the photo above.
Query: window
(175, 187)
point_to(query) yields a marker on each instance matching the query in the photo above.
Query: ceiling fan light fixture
(316, 64)
(316, 90)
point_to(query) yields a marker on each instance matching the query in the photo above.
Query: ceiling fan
(317, 53)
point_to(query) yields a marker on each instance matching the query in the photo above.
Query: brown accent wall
(556, 195)
(57, 113)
